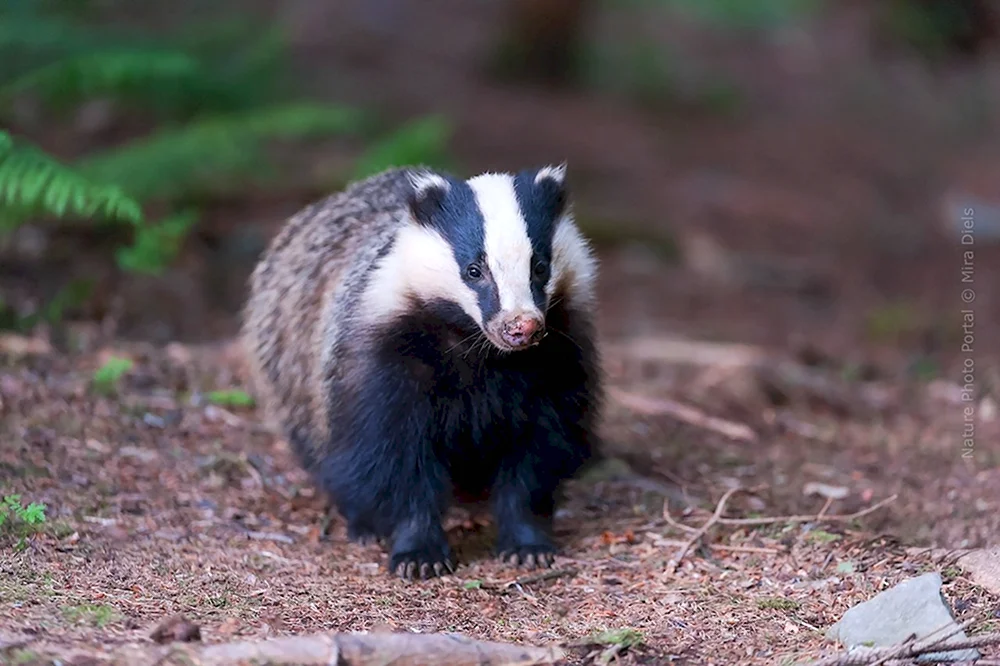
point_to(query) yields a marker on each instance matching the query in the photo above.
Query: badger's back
(301, 288)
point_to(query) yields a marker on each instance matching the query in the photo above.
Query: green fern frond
(164, 81)
(156, 244)
(33, 183)
(172, 162)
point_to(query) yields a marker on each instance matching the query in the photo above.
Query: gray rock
(914, 607)
(983, 566)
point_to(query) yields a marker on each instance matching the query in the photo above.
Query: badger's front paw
(420, 554)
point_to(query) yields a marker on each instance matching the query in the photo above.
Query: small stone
(913, 608)
(983, 567)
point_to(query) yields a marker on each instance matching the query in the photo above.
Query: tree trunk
(541, 41)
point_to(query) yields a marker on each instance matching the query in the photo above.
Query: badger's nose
(522, 330)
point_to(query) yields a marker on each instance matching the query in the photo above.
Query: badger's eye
(473, 272)
(540, 268)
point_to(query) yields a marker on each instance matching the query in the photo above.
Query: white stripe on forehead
(508, 248)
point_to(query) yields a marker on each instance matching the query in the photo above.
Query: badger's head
(501, 248)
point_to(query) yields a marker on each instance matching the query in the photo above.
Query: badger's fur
(421, 338)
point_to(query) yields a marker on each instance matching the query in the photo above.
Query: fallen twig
(269, 536)
(812, 518)
(544, 575)
(700, 532)
(361, 649)
(717, 519)
(686, 413)
(528, 579)
(725, 548)
(822, 516)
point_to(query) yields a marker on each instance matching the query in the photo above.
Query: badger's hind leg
(387, 482)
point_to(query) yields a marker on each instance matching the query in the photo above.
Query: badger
(422, 340)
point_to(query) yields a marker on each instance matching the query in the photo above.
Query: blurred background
(777, 172)
(796, 205)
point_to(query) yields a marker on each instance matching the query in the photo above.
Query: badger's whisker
(480, 343)
(463, 341)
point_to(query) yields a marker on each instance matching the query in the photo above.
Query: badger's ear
(553, 172)
(427, 193)
(550, 184)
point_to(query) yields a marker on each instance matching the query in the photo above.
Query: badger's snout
(522, 330)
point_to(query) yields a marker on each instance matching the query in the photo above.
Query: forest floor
(160, 502)
(813, 238)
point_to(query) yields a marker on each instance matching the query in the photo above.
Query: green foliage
(33, 183)
(171, 84)
(822, 536)
(230, 398)
(174, 161)
(12, 513)
(65, 60)
(626, 637)
(107, 376)
(219, 95)
(155, 245)
(846, 567)
(20, 521)
(777, 603)
(98, 615)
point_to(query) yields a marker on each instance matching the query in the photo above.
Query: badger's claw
(531, 556)
(421, 564)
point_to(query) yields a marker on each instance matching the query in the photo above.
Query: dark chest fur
(477, 406)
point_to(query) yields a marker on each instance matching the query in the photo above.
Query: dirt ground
(161, 504)
(811, 229)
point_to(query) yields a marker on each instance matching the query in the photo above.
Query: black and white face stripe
(541, 197)
(517, 229)
(497, 244)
